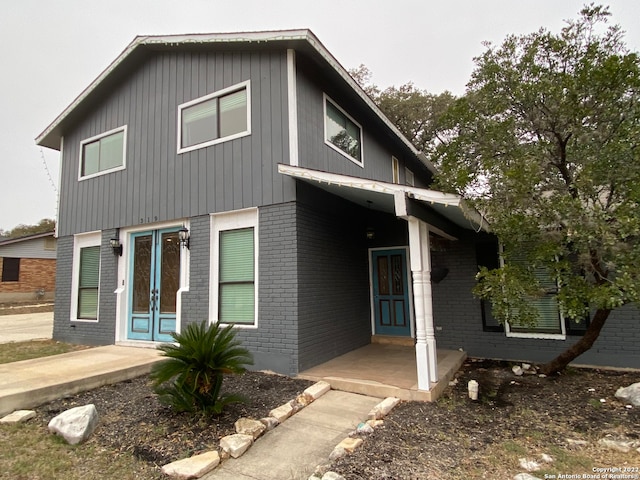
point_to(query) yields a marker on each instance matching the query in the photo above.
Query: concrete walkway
(26, 326)
(293, 449)
(30, 383)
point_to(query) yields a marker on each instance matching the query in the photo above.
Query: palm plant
(190, 380)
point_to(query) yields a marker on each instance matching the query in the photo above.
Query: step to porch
(391, 340)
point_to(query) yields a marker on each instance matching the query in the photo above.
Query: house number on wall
(155, 219)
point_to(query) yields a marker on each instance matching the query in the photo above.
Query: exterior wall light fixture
(183, 235)
(115, 244)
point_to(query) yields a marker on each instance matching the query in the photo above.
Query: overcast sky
(52, 50)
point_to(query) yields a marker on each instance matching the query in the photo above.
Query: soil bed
(133, 420)
(515, 417)
(454, 438)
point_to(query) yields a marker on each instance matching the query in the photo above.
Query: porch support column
(420, 255)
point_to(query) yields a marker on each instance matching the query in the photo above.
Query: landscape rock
(270, 423)
(332, 476)
(624, 446)
(304, 399)
(382, 409)
(517, 370)
(248, 426)
(76, 424)
(18, 416)
(336, 453)
(348, 445)
(364, 428)
(529, 465)
(193, 467)
(318, 389)
(236, 444)
(375, 423)
(576, 443)
(630, 394)
(282, 412)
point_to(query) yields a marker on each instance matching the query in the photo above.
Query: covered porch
(385, 370)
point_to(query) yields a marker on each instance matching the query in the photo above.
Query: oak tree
(546, 144)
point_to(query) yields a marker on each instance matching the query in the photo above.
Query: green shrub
(190, 380)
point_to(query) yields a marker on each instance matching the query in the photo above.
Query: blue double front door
(391, 292)
(154, 281)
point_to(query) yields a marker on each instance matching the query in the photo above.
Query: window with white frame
(550, 322)
(395, 170)
(342, 132)
(103, 153)
(86, 277)
(234, 267)
(409, 178)
(218, 117)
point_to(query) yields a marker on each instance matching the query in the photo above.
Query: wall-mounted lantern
(183, 235)
(115, 244)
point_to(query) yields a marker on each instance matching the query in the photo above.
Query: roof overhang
(391, 197)
(303, 40)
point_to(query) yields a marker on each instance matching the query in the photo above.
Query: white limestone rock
(364, 428)
(303, 400)
(572, 442)
(382, 409)
(282, 412)
(373, 423)
(270, 423)
(630, 394)
(517, 370)
(76, 424)
(236, 444)
(525, 476)
(318, 389)
(193, 467)
(18, 416)
(248, 426)
(528, 464)
(621, 445)
(332, 476)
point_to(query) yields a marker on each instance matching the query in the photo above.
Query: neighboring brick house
(247, 179)
(28, 268)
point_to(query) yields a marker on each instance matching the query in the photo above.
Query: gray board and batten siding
(378, 144)
(158, 184)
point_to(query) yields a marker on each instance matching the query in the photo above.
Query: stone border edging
(248, 431)
(350, 443)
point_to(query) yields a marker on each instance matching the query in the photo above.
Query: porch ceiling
(380, 196)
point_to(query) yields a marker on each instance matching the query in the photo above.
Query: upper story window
(218, 117)
(341, 132)
(409, 178)
(395, 170)
(103, 153)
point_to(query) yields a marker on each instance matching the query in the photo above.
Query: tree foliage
(546, 144)
(43, 226)
(415, 112)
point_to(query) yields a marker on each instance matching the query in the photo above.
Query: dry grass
(18, 351)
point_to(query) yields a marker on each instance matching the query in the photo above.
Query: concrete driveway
(26, 326)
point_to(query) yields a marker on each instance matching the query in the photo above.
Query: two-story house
(247, 179)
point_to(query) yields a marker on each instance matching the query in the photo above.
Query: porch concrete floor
(384, 370)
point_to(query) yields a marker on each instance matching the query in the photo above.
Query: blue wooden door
(154, 282)
(391, 293)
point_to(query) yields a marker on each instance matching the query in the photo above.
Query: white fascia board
(398, 191)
